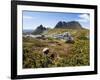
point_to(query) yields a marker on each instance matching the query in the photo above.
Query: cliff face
(61, 24)
(39, 30)
(68, 25)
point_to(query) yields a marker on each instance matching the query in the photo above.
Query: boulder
(45, 51)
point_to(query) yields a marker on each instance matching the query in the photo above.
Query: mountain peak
(69, 25)
(39, 30)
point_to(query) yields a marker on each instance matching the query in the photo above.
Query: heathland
(62, 53)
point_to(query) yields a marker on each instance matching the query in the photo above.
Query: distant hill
(68, 25)
(27, 31)
(61, 24)
(40, 29)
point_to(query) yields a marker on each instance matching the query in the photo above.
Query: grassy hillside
(61, 54)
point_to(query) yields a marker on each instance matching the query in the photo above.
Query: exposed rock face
(68, 25)
(59, 24)
(39, 30)
(65, 36)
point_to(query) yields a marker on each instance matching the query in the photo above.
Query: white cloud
(83, 18)
(27, 17)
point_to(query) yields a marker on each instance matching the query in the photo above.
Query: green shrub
(77, 55)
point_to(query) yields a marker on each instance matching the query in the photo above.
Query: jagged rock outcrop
(68, 25)
(40, 29)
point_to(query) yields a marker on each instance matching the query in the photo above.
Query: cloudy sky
(32, 19)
